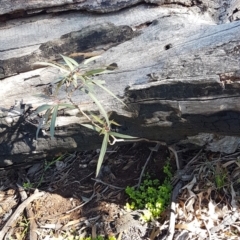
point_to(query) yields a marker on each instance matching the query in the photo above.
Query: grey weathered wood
(178, 71)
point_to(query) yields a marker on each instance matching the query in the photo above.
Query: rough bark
(178, 71)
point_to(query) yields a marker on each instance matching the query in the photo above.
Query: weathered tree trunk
(178, 70)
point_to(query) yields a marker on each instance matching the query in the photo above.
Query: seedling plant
(76, 77)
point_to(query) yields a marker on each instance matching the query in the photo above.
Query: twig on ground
(194, 158)
(110, 185)
(176, 157)
(30, 214)
(17, 213)
(172, 219)
(155, 149)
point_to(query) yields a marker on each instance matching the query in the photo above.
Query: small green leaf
(43, 108)
(53, 65)
(75, 81)
(100, 107)
(68, 62)
(53, 121)
(91, 59)
(102, 152)
(92, 127)
(71, 60)
(115, 134)
(97, 119)
(99, 81)
(47, 114)
(93, 72)
(59, 80)
(81, 78)
(67, 105)
(114, 123)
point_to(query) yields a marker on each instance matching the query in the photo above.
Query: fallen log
(178, 73)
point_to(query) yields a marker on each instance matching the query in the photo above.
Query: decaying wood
(178, 71)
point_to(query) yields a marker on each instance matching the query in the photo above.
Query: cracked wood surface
(178, 71)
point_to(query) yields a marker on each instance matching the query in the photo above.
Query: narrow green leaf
(92, 127)
(102, 152)
(59, 80)
(52, 65)
(47, 114)
(81, 78)
(91, 59)
(97, 119)
(93, 72)
(60, 84)
(100, 107)
(43, 108)
(75, 83)
(115, 123)
(87, 88)
(115, 134)
(108, 91)
(70, 60)
(98, 81)
(53, 121)
(67, 105)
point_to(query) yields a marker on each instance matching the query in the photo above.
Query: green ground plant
(152, 196)
(220, 176)
(76, 77)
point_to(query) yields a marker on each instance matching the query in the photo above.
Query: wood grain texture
(178, 72)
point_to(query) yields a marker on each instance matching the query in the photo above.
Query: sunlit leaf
(97, 119)
(108, 91)
(67, 105)
(59, 80)
(43, 108)
(52, 65)
(47, 114)
(93, 72)
(81, 78)
(87, 88)
(75, 81)
(115, 123)
(102, 152)
(68, 62)
(91, 59)
(98, 81)
(71, 60)
(92, 127)
(120, 135)
(100, 107)
(53, 121)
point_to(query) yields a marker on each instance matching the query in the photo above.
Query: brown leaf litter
(204, 203)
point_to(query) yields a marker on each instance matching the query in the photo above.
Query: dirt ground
(76, 204)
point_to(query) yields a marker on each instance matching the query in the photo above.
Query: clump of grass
(151, 195)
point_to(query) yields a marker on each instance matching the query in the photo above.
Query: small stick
(17, 213)
(30, 214)
(155, 149)
(171, 226)
(110, 185)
